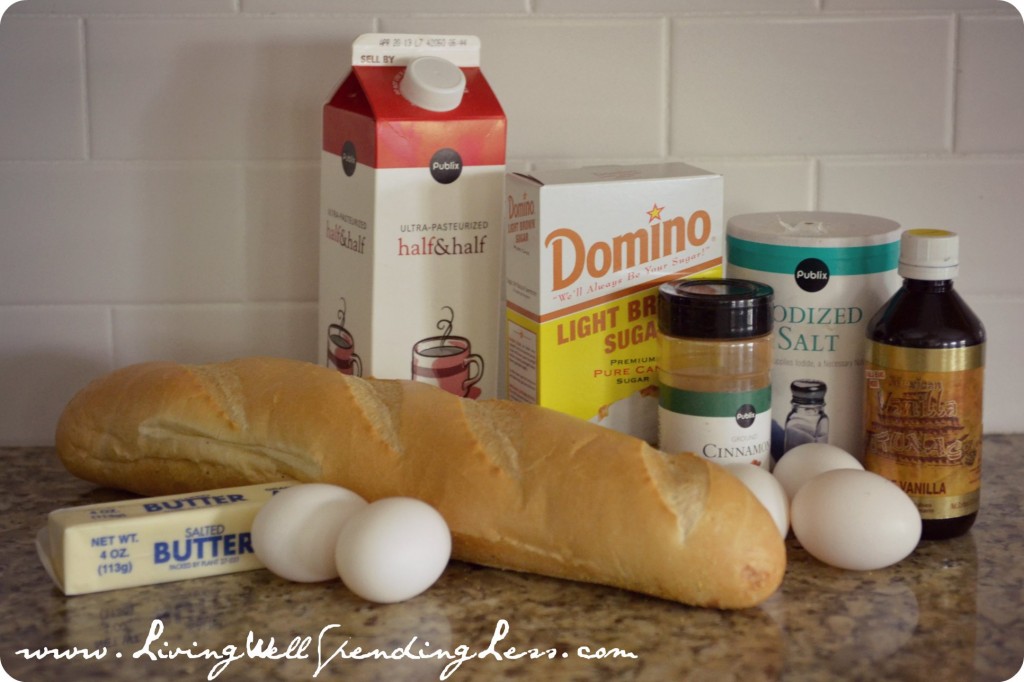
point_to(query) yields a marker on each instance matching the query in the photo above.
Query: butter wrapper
(146, 541)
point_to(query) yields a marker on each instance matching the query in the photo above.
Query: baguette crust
(521, 487)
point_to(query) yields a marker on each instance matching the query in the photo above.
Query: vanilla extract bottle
(924, 366)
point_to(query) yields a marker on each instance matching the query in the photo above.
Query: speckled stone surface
(951, 611)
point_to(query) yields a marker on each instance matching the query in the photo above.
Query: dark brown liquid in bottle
(929, 314)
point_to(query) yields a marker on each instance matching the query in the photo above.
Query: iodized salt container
(830, 272)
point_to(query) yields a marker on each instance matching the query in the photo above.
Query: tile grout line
(666, 66)
(814, 191)
(83, 56)
(954, 81)
(285, 163)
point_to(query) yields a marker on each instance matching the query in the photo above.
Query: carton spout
(433, 83)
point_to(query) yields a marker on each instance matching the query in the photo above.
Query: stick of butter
(152, 540)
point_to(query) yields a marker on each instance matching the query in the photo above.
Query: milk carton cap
(433, 83)
(929, 254)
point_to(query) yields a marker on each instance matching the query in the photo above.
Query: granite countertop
(951, 611)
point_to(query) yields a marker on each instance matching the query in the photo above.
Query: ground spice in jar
(714, 369)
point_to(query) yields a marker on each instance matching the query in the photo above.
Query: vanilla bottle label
(924, 424)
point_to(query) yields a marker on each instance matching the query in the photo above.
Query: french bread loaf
(521, 487)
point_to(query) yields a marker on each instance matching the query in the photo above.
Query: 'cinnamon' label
(923, 421)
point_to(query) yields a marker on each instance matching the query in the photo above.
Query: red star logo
(655, 213)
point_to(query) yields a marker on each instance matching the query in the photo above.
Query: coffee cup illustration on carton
(341, 346)
(447, 361)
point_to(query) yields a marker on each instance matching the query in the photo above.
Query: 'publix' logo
(446, 166)
(811, 274)
(745, 415)
(348, 158)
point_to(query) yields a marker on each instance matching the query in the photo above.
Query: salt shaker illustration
(341, 345)
(807, 421)
(447, 361)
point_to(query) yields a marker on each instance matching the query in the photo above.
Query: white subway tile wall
(159, 160)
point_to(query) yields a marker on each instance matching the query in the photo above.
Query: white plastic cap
(433, 83)
(929, 254)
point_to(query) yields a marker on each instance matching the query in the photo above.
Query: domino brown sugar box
(714, 365)
(585, 251)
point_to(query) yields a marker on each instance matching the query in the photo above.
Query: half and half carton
(413, 163)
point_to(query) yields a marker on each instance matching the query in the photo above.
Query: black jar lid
(714, 308)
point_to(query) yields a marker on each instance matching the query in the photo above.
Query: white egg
(296, 532)
(767, 489)
(855, 519)
(393, 550)
(802, 463)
